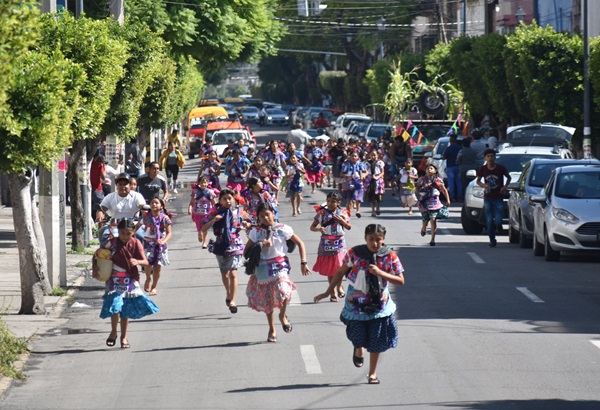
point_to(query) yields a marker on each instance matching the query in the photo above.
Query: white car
(221, 137)
(472, 216)
(344, 121)
(566, 213)
(538, 134)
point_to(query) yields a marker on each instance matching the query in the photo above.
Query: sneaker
(175, 191)
(492, 244)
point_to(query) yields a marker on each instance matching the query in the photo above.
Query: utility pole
(587, 117)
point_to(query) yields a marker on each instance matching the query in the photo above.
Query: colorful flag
(420, 137)
(399, 129)
(408, 125)
(405, 136)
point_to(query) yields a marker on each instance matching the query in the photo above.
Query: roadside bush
(10, 348)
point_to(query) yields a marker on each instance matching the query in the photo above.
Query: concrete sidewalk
(27, 326)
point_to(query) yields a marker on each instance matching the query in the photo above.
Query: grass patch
(58, 291)
(82, 265)
(84, 251)
(11, 347)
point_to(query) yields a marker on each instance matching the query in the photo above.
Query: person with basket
(124, 298)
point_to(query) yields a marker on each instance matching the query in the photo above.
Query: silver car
(533, 178)
(567, 212)
(275, 116)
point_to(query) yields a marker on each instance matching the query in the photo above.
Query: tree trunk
(32, 255)
(77, 214)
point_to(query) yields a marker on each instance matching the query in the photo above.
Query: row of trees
(65, 82)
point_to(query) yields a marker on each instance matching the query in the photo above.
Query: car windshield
(376, 131)
(222, 137)
(250, 110)
(347, 121)
(539, 135)
(581, 185)
(441, 147)
(274, 111)
(516, 162)
(540, 174)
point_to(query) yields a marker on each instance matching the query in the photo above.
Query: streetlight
(381, 28)
(520, 14)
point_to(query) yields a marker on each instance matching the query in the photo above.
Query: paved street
(479, 328)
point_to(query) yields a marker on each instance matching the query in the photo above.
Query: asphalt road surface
(479, 329)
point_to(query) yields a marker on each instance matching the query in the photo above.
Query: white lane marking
(311, 362)
(476, 258)
(530, 295)
(295, 299)
(596, 343)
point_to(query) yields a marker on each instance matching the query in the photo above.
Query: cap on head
(122, 176)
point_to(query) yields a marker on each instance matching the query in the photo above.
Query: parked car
(343, 122)
(533, 178)
(566, 216)
(376, 130)
(249, 114)
(435, 156)
(539, 134)
(357, 130)
(276, 116)
(472, 216)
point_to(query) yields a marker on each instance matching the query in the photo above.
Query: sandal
(153, 292)
(372, 380)
(287, 328)
(432, 243)
(333, 299)
(124, 344)
(147, 286)
(358, 361)
(110, 342)
(233, 308)
(271, 338)
(341, 293)
(423, 232)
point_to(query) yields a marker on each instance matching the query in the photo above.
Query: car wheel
(469, 226)
(513, 237)
(550, 254)
(524, 241)
(538, 248)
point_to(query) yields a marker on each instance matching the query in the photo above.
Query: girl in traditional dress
(294, 172)
(368, 312)
(202, 201)
(407, 177)
(354, 173)
(254, 195)
(211, 169)
(429, 204)
(124, 298)
(331, 222)
(237, 167)
(157, 232)
(270, 287)
(314, 166)
(227, 222)
(375, 183)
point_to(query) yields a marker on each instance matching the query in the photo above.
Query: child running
(432, 209)
(227, 221)
(270, 287)
(157, 232)
(369, 310)
(375, 183)
(254, 195)
(407, 177)
(331, 222)
(354, 172)
(294, 172)
(124, 298)
(202, 201)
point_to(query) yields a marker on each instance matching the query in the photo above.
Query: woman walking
(368, 312)
(429, 204)
(171, 160)
(124, 299)
(270, 286)
(331, 222)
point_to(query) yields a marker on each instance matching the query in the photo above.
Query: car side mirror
(428, 155)
(471, 173)
(514, 186)
(537, 199)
